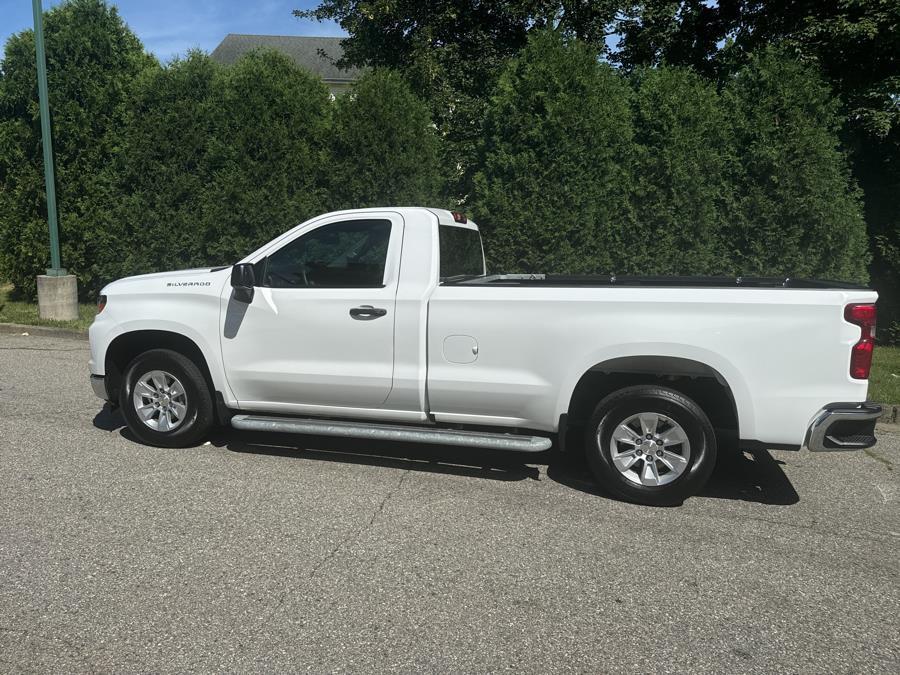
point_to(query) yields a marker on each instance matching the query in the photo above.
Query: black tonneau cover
(574, 280)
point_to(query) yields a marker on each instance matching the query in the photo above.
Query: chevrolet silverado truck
(383, 324)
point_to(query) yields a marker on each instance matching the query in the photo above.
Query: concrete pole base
(57, 297)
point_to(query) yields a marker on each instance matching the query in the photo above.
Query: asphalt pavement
(265, 553)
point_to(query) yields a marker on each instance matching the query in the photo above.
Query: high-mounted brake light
(101, 303)
(861, 355)
(459, 217)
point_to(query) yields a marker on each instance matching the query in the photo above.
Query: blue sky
(171, 27)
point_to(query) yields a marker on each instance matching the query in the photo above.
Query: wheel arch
(696, 379)
(126, 346)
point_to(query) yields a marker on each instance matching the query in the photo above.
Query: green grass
(16, 311)
(884, 381)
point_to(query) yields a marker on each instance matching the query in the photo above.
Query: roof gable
(306, 52)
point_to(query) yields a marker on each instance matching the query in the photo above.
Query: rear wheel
(651, 445)
(165, 400)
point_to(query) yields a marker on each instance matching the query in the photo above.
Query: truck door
(320, 328)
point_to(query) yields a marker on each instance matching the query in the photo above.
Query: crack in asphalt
(869, 452)
(356, 534)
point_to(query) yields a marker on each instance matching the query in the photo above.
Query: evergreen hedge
(580, 173)
(93, 61)
(580, 168)
(552, 193)
(383, 147)
(799, 212)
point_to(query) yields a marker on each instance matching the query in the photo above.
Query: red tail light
(861, 356)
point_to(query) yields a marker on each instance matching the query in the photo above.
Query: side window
(349, 254)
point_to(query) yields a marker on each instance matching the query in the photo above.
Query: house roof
(317, 54)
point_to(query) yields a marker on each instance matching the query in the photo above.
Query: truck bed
(599, 280)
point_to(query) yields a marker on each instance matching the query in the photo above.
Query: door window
(347, 254)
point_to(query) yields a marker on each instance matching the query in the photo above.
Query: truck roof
(444, 216)
(448, 218)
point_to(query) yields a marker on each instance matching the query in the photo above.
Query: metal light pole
(57, 290)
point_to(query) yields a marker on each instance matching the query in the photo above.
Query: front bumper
(843, 426)
(98, 384)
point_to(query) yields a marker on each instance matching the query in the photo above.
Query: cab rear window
(461, 253)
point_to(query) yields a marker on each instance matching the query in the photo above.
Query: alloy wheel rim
(649, 449)
(160, 400)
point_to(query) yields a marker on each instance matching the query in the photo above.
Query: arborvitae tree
(799, 212)
(877, 166)
(682, 191)
(384, 147)
(452, 52)
(163, 174)
(92, 59)
(266, 153)
(552, 193)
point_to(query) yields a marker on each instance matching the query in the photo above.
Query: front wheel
(165, 400)
(650, 445)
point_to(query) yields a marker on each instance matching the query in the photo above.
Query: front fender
(202, 329)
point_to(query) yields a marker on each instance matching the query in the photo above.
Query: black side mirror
(243, 279)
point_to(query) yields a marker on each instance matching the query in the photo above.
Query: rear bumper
(843, 426)
(98, 384)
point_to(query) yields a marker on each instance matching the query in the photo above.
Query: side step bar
(384, 432)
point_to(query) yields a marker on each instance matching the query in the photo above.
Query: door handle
(367, 312)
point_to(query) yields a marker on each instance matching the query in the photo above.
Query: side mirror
(243, 279)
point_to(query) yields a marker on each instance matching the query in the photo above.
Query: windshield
(461, 253)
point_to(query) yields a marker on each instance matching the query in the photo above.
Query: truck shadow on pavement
(474, 463)
(745, 476)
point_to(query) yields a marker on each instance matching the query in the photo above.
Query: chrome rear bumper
(843, 426)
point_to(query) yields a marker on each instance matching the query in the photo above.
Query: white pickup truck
(382, 323)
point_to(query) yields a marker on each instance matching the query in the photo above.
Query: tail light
(101, 303)
(861, 356)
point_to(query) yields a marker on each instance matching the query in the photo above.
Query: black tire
(621, 405)
(199, 415)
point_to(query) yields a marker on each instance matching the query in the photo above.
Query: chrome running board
(384, 432)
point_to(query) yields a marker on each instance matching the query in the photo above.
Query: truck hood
(193, 279)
